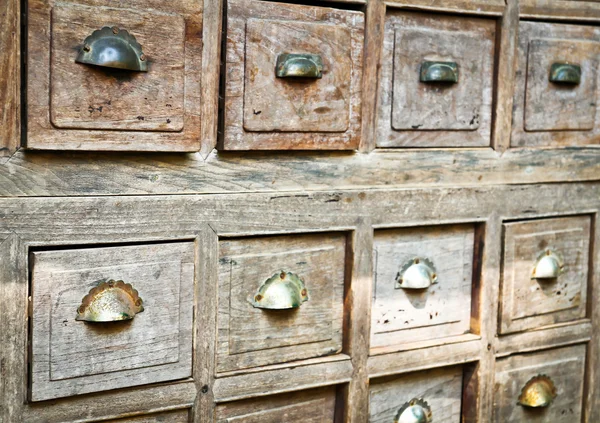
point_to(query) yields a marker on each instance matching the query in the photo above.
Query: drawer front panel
(556, 85)
(440, 389)
(565, 369)
(404, 315)
(436, 81)
(252, 335)
(110, 79)
(528, 301)
(315, 406)
(293, 77)
(73, 357)
(179, 416)
(92, 97)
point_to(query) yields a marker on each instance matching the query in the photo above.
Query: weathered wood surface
(479, 7)
(249, 336)
(440, 388)
(416, 114)
(401, 316)
(316, 406)
(10, 77)
(77, 174)
(559, 115)
(73, 86)
(528, 303)
(565, 366)
(262, 112)
(182, 416)
(562, 9)
(70, 357)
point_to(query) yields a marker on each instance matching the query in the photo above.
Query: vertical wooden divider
(10, 77)
(591, 411)
(358, 320)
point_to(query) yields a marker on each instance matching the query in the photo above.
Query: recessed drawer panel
(115, 78)
(436, 81)
(435, 394)
(556, 85)
(542, 387)
(423, 284)
(179, 416)
(280, 299)
(293, 77)
(107, 318)
(545, 272)
(314, 406)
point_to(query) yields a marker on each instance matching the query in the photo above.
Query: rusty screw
(115, 29)
(143, 57)
(86, 47)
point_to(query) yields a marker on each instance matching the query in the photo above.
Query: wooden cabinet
(269, 103)
(82, 339)
(80, 94)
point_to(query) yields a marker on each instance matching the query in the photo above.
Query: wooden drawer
(441, 258)
(314, 406)
(179, 416)
(152, 105)
(532, 297)
(564, 367)
(438, 392)
(277, 102)
(436, 81)
(556, 85)
(71, 357)
(280, 299)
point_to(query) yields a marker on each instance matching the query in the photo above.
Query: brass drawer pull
(418, 273)
(299, 66)
(439, 72)
(414, 411)
(283, 290)
(549, 265)
(565, 73)
(538, 392)
(110, 301)
(113, 48)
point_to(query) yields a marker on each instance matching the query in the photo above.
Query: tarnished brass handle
(418, 273)
(565, 73)
(439, 72)
(538, 392)
(283, 290)
(299, 66)
(113, 48)
(110, 301)
(414, 411)
(549, 265)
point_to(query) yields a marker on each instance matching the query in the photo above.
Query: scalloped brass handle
(549, 265)
(439, 72)
(291, 65)
(283, 290)
(538, 392)
(113, 48)
(414, 411)
(418, 273)
(110, 301)
(565, 73)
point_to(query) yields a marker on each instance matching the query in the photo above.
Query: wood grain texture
(179, 416)
(527, 303)
(440, 388)
(71, 357)
(317, 406)
(416, 114)
(565, 366)
(50, 117)
(88, 174)
(562, 9)
(10, 77)
(401, 316)
(559, 115)
(254, 113)
(478, 7)
(250, 336)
